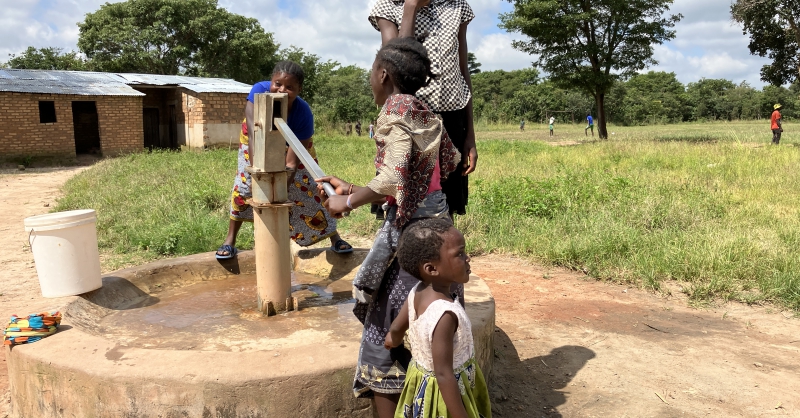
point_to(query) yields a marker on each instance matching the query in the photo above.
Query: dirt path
(570, 346)
(564, 345)
(23, 194)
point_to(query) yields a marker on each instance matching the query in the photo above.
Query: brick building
(64, 113)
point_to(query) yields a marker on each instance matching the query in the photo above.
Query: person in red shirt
(776, 127)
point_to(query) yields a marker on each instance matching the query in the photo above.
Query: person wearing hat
(777, 129)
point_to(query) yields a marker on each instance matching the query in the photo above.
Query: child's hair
(291, 68)
(421, 243)
(407, 62)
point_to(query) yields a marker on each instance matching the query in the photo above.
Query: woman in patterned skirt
(443, 26)
(308, 220)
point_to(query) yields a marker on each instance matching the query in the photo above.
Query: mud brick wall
(121, 125)
(22, 134)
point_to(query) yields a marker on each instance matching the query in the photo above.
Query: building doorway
(152, 139)
(173, 128)
(87, 128)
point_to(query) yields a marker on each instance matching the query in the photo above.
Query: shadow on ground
(533, 387)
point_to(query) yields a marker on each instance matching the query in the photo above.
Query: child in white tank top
(443, 378)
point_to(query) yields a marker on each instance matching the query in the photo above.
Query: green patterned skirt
(421, 397)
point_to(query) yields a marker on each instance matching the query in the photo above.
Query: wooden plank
(275, 159)
(262, 116)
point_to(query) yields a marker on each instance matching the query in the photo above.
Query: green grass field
(712, 206)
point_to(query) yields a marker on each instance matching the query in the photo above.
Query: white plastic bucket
(64, 246)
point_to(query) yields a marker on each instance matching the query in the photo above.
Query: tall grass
(703, 204)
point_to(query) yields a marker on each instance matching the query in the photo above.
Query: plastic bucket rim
(58, 220)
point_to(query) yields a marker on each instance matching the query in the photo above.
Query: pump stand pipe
(271, 207)
(270, 201)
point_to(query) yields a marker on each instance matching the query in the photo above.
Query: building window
(47, 112)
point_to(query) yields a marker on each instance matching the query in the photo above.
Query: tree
(709, 97)
(316, 72)
(588, 44)
(47, 59)
(774, 29)
(492, 89)
(473, 64)
(193, 37)
(653, 97)
(345, 95)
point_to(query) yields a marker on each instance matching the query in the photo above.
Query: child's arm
(398, 328)
(337, 205)
(469, 155)
(442, 347)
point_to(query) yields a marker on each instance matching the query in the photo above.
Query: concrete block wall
(22, 135)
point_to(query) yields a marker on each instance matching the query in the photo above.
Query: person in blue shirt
(308, 219)
(590, 125)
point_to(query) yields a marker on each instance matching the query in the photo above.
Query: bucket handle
(29, 238)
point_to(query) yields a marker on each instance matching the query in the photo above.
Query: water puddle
(223, 315)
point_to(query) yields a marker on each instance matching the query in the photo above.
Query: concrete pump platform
(184, 338)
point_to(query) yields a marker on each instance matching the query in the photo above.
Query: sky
(707, 43)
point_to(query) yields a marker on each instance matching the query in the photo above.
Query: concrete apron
(108, 362)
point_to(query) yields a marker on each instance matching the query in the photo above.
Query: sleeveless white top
(420, 332)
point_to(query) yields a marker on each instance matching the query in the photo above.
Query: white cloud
(339, 30)
(42, 23)
(494, 52)
(710, 65)
(708, 44)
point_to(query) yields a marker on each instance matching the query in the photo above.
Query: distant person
(777, 128)
(358, 128)
(348, 128)
(522, 125)
(590, 125)
(552, 121)
(371, 130)
(310, 222)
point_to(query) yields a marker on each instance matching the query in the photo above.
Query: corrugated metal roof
(87, 83)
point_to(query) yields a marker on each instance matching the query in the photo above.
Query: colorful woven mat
(32, 328)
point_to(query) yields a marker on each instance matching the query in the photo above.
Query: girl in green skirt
(443, 379)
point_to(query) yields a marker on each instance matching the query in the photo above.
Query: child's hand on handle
(342, 187)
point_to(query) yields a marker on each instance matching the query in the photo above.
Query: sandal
(225, 248)
(339, 243)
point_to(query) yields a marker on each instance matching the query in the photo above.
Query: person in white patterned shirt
(442, 27)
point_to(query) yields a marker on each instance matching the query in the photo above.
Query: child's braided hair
(407, 62)
(291, 68)
(420, 243)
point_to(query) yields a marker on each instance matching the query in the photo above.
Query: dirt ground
(565, 345)
(23, 194)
